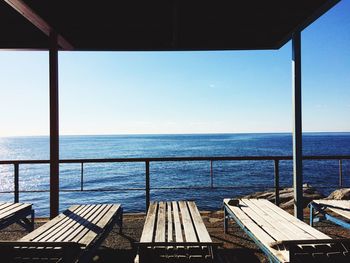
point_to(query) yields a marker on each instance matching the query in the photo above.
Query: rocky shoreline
(309, 193)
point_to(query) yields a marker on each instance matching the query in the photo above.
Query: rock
(340, 194)
(287, 196)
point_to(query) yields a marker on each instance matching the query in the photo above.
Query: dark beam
(54, 127)
(37, 21)
(297, 127)
(316, 15)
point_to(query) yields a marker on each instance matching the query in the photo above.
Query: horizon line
(144, 134)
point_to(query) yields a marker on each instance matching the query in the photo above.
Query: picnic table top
(174, 222)
(272, 225)
(341, 207)
(80, 224)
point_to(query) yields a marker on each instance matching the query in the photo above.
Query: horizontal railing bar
(161, 188)
(181, 159)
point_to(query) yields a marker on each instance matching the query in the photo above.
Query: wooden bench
(72, 236)
(319, 211)
(16, 213)
(281, 236)
(172, 231)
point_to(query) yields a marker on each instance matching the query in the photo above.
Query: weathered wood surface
(175, 230)
(80, 224)
(341, 207)
(16, 213)
(73, 234)
(10, 209)
(174, 222)
(271, 225)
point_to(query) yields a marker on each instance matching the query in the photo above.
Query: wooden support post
(16, 182)
(54, 127)
(297, 128)
(277, 183)
(147, 186)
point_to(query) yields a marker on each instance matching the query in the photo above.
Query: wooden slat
(201, 230)
(283, 224)
(268, 227)
(259, 233)
(177, 223)
(47, 226)
(46, 234)
(160, 230)
(4, 205)
(312, 231)
(10, 207)
(338, 206)
(87, 224)
(70, 225)
(148, 229)
(101, 223)
(14, 210)
(190, 233)
(170, 223)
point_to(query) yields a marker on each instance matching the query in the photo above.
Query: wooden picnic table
(72, 236)
(175, 230)
(16, 213)
(283, 237)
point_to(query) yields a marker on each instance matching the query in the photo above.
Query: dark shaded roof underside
(162, 25)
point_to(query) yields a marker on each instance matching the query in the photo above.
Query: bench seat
(72, 235)
(175, 230)
(319, 210)
(283, 237)
(16, 213)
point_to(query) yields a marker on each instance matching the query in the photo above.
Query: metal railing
(276, 161)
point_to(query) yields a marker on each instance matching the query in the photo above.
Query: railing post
(147, 186)
(82, 177)
(340, 173)
(277, 183)
(211, 174)
(16, 182)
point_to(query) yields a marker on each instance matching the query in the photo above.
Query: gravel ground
(237, 246)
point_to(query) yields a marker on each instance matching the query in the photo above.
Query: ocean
(230, 178)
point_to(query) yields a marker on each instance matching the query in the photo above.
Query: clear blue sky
(183, 92)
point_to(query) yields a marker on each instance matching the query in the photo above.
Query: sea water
(230, 178)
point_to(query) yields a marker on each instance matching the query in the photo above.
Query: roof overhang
(157, 25)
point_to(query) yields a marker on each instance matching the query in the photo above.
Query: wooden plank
(14, 210)
(160, 227)
(101, 223)
(47, 234)
(341, 207)
(177, 223)
(148, 229)
(201, 230)
(267, 226)
(313, 231)
(4, 205)
(10, 207)
(170, 223)
(87, 223)
(47, 226)
(284, 224)
(190, 233)
(259, 233)
(69, 225)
